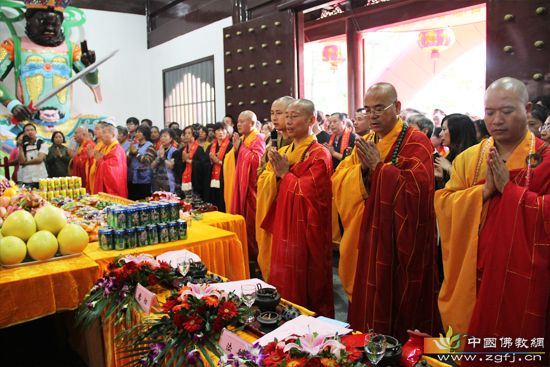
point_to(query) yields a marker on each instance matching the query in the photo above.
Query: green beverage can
(109, 215)
(182, 229)
(164, 235)
(141, 234)
(152, 234)
(164, 212)
(131, 238)
(105, 236)
(120, 239)
(173, 231)
(133, 214)
(154, 213)
(144, 216)
(174, 211)
(119, 218)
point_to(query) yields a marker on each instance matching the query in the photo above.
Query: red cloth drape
(514, 262)
(245, 184)
(301, 257)
(111, 173)
(396, 279)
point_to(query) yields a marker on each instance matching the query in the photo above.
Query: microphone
(274, 136)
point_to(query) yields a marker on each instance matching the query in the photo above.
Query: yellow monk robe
(460, 214)
(229, 164)
(267, 194)
(91, 168)
(349, 195)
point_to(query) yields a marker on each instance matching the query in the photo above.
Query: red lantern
(435, 41)
(333, 55)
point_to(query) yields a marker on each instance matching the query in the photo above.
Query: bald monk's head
(382, 107)
(506, 107)
(301, 117)
(80, 134)
(109, 133)
(278, 112)
(246, 122)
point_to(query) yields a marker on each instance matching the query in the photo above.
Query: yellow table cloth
(33, 291)
(220, 250)
(232, 223)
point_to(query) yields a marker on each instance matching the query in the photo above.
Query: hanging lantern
(332, 54)
(436, 41)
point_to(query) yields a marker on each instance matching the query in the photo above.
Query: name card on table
(145, 298)
(232, 343)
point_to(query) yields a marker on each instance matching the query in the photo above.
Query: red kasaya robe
(513, 264)
(111, 173)
(80, 160)
(248, 158)
(300, 223)
(396, 281)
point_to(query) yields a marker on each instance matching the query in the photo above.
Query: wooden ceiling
(122, 6)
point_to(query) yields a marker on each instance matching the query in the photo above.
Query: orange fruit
(9, 192)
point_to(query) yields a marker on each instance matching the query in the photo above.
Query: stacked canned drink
(143, 224)
(69, 187)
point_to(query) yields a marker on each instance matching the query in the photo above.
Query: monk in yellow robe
(350, 203)
(278, 117)
(494, 229)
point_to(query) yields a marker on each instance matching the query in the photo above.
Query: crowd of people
(377, 183)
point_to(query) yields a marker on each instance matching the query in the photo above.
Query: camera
(26, 139)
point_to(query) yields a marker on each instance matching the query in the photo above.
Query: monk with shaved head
(493, 220)
(82, 160)
(295, 189)
(384, 193)
(240, 170)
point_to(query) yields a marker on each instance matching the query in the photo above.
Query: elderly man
(395, 284)
(111, 168)
(81, 159)
(240, 170)
(297, 179)
(493, 220)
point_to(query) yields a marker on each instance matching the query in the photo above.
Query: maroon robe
(396, 279)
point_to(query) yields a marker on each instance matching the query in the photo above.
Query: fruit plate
(28, 261)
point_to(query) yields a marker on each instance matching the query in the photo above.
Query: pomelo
(51, 219)
(42, 245)
(19, 224)
(12, 250)
(72, 239)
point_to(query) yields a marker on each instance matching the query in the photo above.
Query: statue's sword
(68, 83)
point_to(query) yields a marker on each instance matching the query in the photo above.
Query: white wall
(203, 42)
(124, 78)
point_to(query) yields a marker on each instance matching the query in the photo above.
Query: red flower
(169, 304)
(270, 347)
(217, 325)
(313, 362)
(296, 362)
(165, 266)
(211, 301)
(274, 358)
(152, 279)
(227, 310)
(193, 323)
(327, 362)
(354, 353)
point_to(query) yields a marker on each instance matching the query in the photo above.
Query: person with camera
(32, 154)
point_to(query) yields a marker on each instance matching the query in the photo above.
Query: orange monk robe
(81, 160)
(349, 195)
(299, 221)
(228, 178)
(111, 171)
(496, 256)
(91, 168)
(396, 280)
(248, 158)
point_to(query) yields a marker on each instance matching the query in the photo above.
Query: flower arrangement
(189, 326)
(310, 350)
(113, 294)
